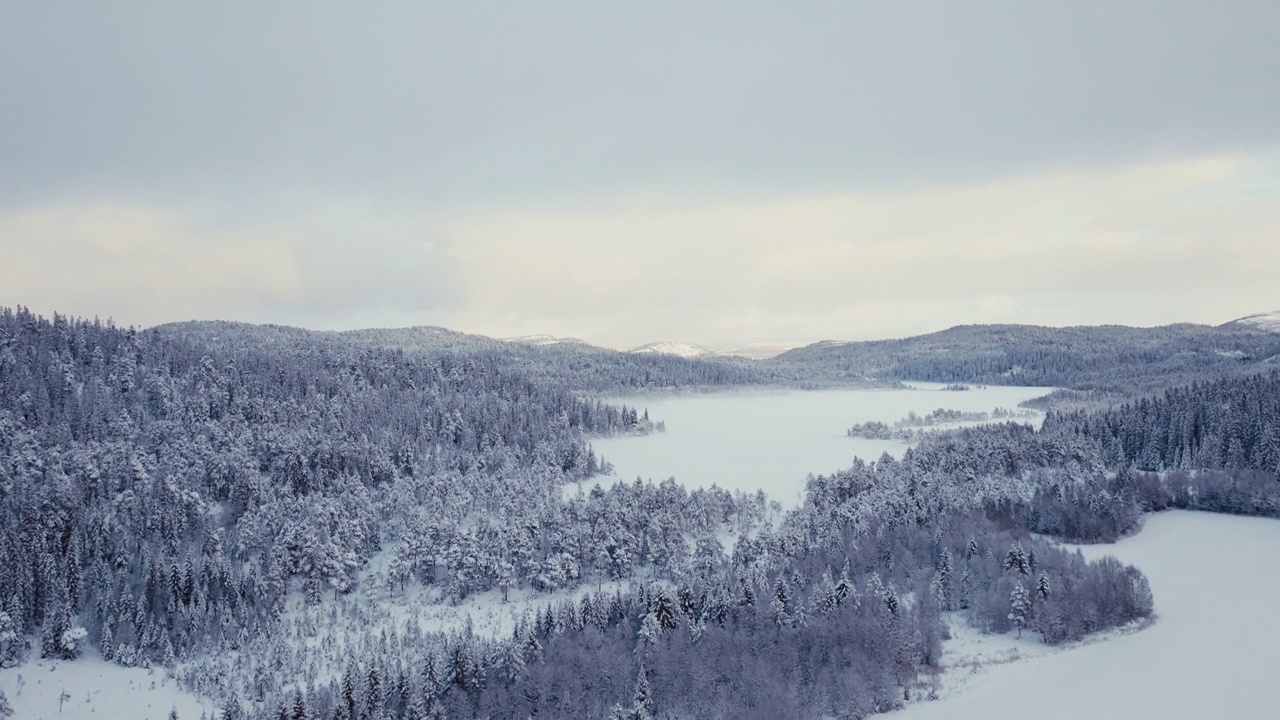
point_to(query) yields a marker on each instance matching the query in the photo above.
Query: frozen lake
(1210, 653)
(772, 439)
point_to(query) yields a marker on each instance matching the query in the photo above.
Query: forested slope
(574, 365)
(214, 500)
(1114, 362)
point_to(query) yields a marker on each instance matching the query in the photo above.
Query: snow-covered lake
(1210, 654)
(772, 439)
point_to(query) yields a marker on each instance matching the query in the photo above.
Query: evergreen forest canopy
(200, 492)
(1095, 366)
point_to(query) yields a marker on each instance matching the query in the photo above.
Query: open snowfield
(1210, 654)
(96, 690)
(772, 439)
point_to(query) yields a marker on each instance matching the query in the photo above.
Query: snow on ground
(772, 439)
(488, 614)
(1268, 321)
(96, 690)
(543, 340)
(680, 349)
(1210, 653)
(376, 601)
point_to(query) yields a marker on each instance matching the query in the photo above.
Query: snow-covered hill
(543, 340)
(681, 349)
(1267, 321)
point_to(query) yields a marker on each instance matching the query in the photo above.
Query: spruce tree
(1019, 607)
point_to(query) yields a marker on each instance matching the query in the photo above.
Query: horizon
(753, 350)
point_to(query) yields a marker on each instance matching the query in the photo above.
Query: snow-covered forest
(264, 513)
(1093, 366)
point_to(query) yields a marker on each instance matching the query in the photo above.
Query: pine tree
(642, 699)
(781, 604)
(107, 644)
(945, 568)
(349, 691)
(844, 590)
(299, 706)
(373, 692)
(971, 550)
(1019, 607)
(664, 610)
(650, 630)
(508, 661)
(891, 602)
(1042, 587)
(10, 642)
(232, 710)
(1016, 559)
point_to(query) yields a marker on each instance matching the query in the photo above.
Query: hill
(1106, 361)
(1266, 322)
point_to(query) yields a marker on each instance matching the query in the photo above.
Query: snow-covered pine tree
(780, 605)
(945, 569)
(664, 610)
(1019, 606)
(844, 590)
(11, 641)
(642, 698)
(299, 709)
(1016, 560)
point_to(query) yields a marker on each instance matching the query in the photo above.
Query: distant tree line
(1099, 365)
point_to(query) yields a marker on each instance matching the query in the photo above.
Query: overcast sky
(718, 172)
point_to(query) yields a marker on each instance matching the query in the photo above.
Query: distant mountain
(679, 349)
(543, 358)
(237, 334)
(1266, 321)
(545, 340)
(1103, 363)
(757, 351)
(1108, 359)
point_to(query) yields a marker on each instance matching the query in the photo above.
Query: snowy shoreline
(1192, 661)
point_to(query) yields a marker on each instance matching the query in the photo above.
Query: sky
(725, 173)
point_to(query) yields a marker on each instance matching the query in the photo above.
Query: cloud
(1191, 239)
(147, 265)
(1124, 244)
(632, 171)
(464, 102)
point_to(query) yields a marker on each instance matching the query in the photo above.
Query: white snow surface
(98, 690)
(1209, 654)
(758, 351)
(772, 440)
(681, 349)
(1268, 321)
(543, 340)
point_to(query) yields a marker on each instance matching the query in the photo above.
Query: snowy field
(1210, 654)
(90, 689)
(772, 439)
